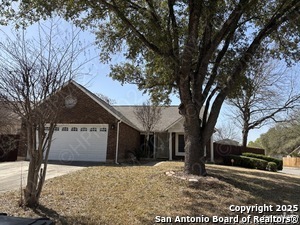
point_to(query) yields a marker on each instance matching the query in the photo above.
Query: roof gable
(169, 114)
(104, 105)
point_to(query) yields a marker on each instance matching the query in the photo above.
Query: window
(46, 128)
(83, 129)
(74, 129)
(56, 128)
(64, 129)
(181, 143)
(93, 129)
(102, 129)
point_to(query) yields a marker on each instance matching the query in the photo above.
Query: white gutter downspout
(170, 146)
(117, 142)
(212, 157)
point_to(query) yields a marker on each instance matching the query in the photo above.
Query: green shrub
(278, 162)
(244, 161)
(272, 166)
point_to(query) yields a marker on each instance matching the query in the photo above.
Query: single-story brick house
(89, 129)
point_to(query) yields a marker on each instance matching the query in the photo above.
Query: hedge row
(244, 161)
(272, 166)
(278, 162)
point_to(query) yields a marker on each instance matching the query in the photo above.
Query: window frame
(177, 153)
(65, 129)
(102, 129)
(74, 129)
(83, 129)
(93, 129)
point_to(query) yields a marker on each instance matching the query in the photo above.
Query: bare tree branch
(266, 93)
(31, 71)
(148, 115)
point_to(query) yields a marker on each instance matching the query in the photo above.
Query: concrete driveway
(291, 170)
(12, 173)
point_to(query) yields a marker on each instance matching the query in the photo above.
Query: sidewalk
(291, 170)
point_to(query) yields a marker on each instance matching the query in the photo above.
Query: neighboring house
(89, 129)
(228, 142)
(10, 123)
(10, 126)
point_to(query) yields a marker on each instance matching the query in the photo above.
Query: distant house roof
(228, 142)
(169, 116)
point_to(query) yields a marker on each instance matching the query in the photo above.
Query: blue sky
(94, 74)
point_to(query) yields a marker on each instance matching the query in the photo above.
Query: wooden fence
(291, 161)
(221, 150)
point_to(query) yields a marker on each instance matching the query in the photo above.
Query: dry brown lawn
(136, 194)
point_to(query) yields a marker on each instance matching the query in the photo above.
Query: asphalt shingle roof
(169, 116)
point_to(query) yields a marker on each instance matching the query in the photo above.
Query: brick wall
(87, 111)
(129, 140)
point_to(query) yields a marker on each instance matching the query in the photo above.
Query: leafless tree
(31, 70)
(265, 93)
(226, 131)
(292, 125)
(107, 99)
(148, 115)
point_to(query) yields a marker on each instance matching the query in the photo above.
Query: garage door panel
(85, 143)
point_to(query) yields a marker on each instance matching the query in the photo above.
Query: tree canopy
(197, 48)
(281, 139)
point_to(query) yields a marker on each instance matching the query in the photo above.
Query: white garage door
(79, 142)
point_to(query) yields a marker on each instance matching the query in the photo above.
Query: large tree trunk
(245, 136)
(37, 173)
(246, 119)
(194, 147)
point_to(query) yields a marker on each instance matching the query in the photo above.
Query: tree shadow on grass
(46, 212)
(225, 186)
(266, 187)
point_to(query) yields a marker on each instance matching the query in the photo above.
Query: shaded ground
(138, 194)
